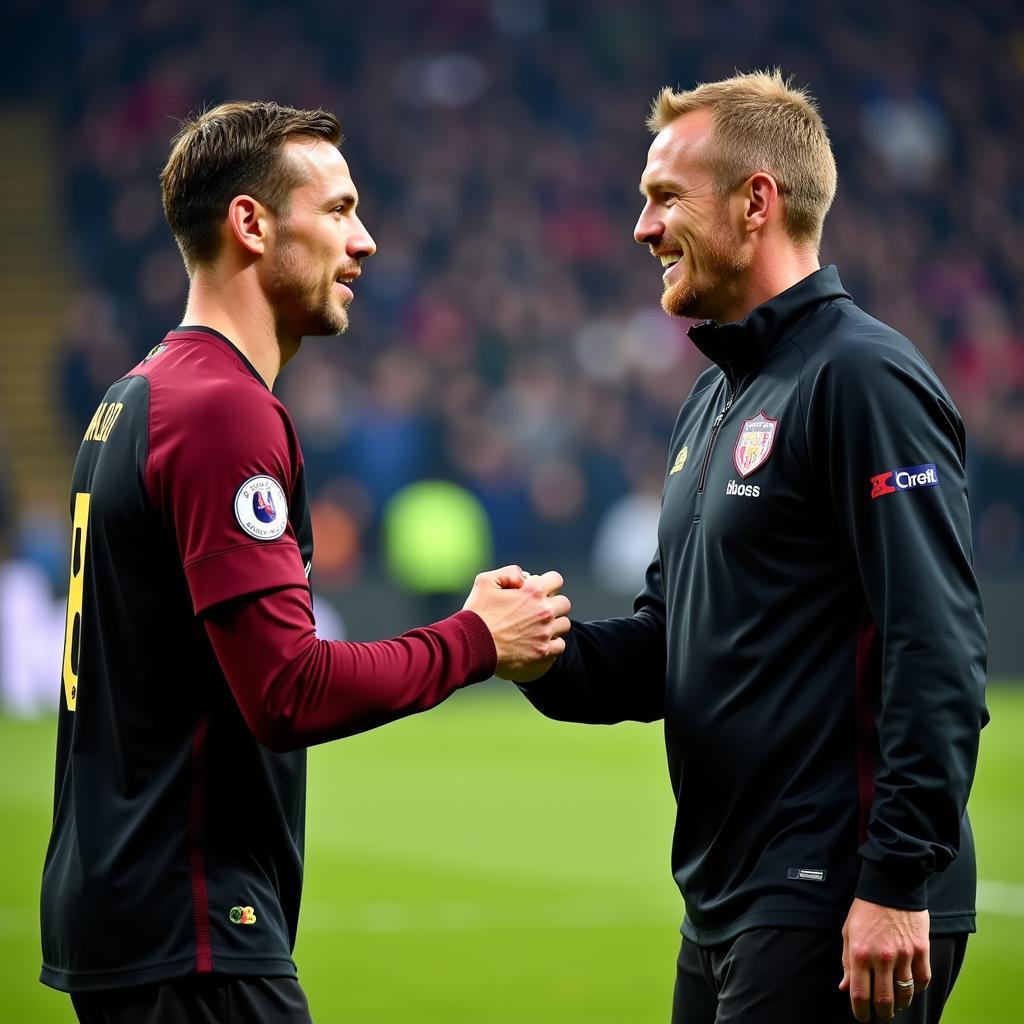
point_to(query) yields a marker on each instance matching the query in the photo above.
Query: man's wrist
(551, 677)
(483, 655)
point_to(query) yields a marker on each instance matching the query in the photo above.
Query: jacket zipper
(716, 426)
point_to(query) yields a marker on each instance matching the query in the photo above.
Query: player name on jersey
(103, 420)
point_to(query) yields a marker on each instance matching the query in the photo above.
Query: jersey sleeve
(612, 670)
(295, 690)
(222, 469)
(888, 446)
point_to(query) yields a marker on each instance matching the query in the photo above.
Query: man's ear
(247, 221)
(761, 196)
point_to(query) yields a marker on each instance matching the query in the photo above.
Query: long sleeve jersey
(193, 680)
(810, 629)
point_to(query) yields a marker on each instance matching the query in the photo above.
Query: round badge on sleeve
(261, 508)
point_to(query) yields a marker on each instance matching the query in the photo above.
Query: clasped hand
(527, 619)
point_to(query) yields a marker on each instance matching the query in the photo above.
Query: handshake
(527, 619)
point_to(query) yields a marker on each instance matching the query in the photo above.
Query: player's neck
(784, 267)
(245, 319)
(787, 266)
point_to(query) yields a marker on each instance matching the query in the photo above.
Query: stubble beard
(304, 307)
(720, 262)
(332, 317)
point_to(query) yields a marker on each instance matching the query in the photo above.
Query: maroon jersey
(193, 680)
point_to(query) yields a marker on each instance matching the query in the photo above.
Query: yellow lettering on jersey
(94, 423)
(73, 625)
(109, 420)
(103, 421)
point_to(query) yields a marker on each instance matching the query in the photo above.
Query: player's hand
(881, 946)
(527, 619)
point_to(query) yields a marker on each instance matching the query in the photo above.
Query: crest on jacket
(754, 445)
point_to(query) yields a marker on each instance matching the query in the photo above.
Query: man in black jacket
(810, 629)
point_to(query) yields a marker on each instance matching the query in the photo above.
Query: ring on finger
(909, 983)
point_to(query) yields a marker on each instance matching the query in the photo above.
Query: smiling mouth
(670, 259)
(346, 283)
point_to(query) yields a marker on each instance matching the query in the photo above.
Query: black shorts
(198, 999)
(770, 975)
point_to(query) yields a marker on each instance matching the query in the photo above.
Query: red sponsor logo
(880, 485)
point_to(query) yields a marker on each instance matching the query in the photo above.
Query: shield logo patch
(754, 445)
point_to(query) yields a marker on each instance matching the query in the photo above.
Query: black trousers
(198, 999)
(776, 975)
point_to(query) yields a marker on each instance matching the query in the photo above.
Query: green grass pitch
(480, 864)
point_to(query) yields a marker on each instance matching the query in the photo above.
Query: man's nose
(361, 243)
(649, 228)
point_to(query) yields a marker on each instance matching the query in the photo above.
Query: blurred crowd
(507, 336)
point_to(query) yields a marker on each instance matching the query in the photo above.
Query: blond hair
(761, 122)
(233, 149)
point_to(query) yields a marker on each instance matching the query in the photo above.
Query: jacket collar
(743, 345)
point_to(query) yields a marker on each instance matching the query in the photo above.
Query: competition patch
(908, 478)
(261, 508)
(754, 445)
(680, 460)
(242, 915)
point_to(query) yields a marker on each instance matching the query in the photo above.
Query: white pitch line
(1005, 899)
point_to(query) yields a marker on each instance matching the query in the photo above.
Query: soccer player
(810, 628)
(193, 679)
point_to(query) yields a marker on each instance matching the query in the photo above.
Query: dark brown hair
(233, 149)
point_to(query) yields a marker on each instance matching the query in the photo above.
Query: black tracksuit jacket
(810, 629)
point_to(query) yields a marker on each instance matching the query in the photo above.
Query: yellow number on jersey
(73, 626)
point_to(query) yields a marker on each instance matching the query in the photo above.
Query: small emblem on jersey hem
(242, 915)
(261, 508)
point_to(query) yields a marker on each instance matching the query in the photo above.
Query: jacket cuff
(888, 888)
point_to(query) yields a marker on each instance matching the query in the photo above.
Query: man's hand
(882, 947)
(526, 616)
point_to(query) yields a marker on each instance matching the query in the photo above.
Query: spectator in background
(508, 194)
(512, 197)
(95, 353)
